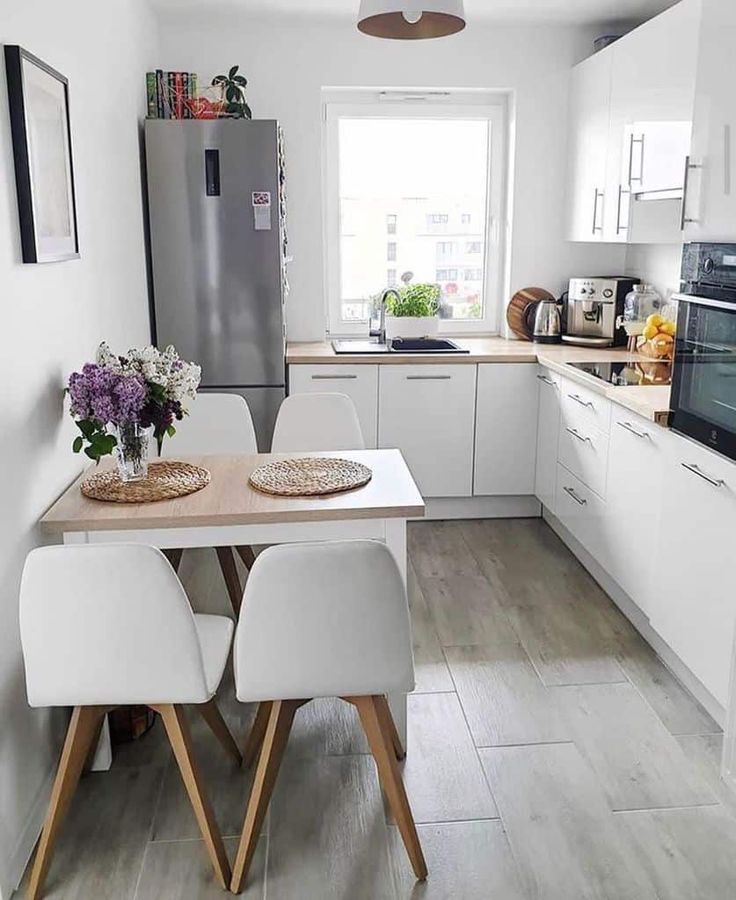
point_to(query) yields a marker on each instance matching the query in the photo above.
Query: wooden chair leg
(83, 728)
(230, 574)
(384, 710)
(178, 732)
(218, 726)
(174, 555)
(274, 743)
(247, 555)
(373, 712)
(257, 733)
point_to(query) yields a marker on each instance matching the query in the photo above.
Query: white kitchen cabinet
(428, 412)
(589, 103)
(693, 602)
(637, 463)
(582, 512)
(651, 118)
(710, 208)
(360, 383)
(583, 450)
(548, 432)
(505, 429)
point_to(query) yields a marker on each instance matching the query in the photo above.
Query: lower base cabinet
(428, 412)
(548, 433)
(583, 513)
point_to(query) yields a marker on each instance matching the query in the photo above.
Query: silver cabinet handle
(691, 467)
(684, 220)
(428, 377)
(581, 501)
(640, 141)
(596, 226)
(581, 437)
(334, 377)
(619, 227)
(627, 426)
(547, 380)
(578, 399)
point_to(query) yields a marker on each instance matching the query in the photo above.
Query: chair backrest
(107, 624)
(323, 620)
(309, 422)
(217, 423)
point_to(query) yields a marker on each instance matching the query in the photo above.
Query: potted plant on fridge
(415, 313)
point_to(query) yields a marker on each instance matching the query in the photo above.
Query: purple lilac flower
(97, 393)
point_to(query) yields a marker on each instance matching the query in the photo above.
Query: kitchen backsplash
(657, 264)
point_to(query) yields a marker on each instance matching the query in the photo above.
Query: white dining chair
(216, 423)
(323, 620)
(309, 422)
(110, 625)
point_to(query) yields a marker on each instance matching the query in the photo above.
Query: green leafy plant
(234, 86)
(416, 301)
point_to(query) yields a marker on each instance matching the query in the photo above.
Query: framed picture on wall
(39, 119)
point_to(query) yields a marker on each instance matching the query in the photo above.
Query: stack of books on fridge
(168, 93)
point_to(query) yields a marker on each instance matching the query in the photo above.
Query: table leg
(102, 760)
(395, 530)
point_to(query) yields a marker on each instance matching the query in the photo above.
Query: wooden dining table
(230, 513)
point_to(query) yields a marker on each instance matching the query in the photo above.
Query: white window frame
(490, 106)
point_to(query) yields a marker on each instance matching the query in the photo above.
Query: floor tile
(439, 549)
(326, 726)
(705, 752)
(430, 669)
(503, 698)
(466, 611)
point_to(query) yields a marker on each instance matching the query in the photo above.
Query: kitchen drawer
(583, 450)
(582, 512)
(360, 383)
(428, 412)
(578, 400)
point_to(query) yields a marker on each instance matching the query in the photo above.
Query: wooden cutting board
(520, 311)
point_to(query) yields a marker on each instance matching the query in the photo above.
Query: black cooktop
(622, 374)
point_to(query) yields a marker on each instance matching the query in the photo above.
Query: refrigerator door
(264, 403)
(218, 293)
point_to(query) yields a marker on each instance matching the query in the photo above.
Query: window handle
(581, 501)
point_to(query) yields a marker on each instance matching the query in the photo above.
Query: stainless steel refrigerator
(218, 253)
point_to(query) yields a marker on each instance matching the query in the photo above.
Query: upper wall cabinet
(710, 204)
(642, 131)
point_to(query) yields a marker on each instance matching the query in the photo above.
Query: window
(436, 165)
(473, 274)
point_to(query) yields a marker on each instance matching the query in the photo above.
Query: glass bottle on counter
(639, 304)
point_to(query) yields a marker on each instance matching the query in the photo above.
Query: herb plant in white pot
(415, 314)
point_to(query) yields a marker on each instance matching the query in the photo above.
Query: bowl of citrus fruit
(658, 337)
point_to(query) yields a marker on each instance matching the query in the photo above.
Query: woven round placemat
(309, 476)
(166, 479)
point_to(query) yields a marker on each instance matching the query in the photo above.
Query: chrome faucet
(382, 304)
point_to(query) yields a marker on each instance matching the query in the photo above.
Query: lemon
(650, 331)
(655, 319)
(668, 328)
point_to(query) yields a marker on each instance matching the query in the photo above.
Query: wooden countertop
(649, 401)
(229, 500)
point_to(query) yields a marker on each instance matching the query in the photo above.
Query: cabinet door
(710, 208)
(506, 429)
(428, 412)
(548, 432)
(582, 512)
(651, 114)
(693, 603)
(360, 383)
(590, 98)
(637, 462)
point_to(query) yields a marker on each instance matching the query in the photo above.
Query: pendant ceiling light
(411, 19)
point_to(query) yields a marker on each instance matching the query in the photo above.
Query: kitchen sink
(398, 345)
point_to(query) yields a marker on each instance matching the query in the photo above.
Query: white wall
(658, 264)
(53, 316)
(287, 61)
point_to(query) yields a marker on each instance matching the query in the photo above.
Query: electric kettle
(547, 323)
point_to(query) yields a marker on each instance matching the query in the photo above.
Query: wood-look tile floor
(551, 755)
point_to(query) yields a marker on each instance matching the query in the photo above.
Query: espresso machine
(592, 309)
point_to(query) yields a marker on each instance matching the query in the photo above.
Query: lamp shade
(411, 19)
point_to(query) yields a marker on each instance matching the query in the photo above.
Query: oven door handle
(705, 301)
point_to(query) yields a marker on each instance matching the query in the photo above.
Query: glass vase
(131, 452)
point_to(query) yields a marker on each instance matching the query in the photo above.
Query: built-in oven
(703, 404)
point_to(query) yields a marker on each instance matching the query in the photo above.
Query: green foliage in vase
(417, 301)
(234, 86)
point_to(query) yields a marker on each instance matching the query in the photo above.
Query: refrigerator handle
(212, 172)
